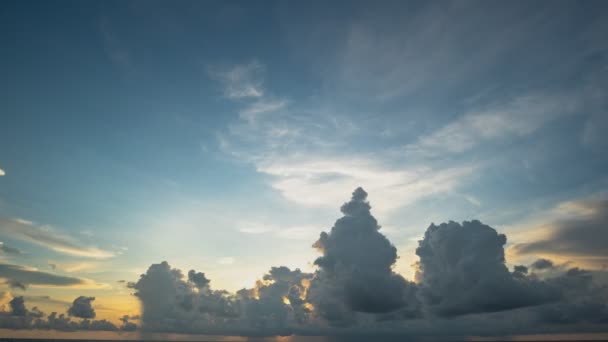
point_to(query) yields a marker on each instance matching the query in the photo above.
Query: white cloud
(521, 117)
(323, 182)
(241, 81)
(260, 107)
(299, 232)
(2, 173)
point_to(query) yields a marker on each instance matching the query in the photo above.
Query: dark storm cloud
(198, 279)
(17, 305)
(355, 271)
(82, 307)
(581, 300)
(542, 264)
(583, 236)
(462, 271)
(26, 276)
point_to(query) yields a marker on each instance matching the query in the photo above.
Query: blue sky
(225, 135)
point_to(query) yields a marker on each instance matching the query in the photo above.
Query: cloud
(82, 307)
(22, 318)
(172, 303)
(521, 117)
(463, 287)
(581, 233)
(321, 182)
(14, 284)
(253, 112)
(49, 238)
(17, 305)
(241, 81)
(4, 249)
(349, 280)
(462, 270)
(28, 276)
(542, 264)
(2, 173)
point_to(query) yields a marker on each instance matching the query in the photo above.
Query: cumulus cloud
(21, 318)
(171, 302)
(49, 238)
(82, 307)
(352, 280)
(17, 305)
(462, 270)
(582, 235)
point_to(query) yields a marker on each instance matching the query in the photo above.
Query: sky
(352, 167)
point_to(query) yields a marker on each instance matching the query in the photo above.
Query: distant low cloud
(20, 317)
(49, 238)
(580, 235)
(82, 307)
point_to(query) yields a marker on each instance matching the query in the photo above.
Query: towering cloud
(172, 303)
(355, 271)
(462, 270)
(82, 307)
(18, 306)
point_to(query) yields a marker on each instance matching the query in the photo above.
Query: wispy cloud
(261, 107)
(49, 238)
(522, 116)
(240, 81)
(310, 156)
(301, 232)
(4, 249)
(34, 277)
(323, 181)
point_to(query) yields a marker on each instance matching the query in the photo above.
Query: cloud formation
(49, 238)
(241, 81)
(581, 235)
(463, 286)
(20, 317)
(82, 307)
(350, 280)
(28, 276)
(462, 270)
(4, 249)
